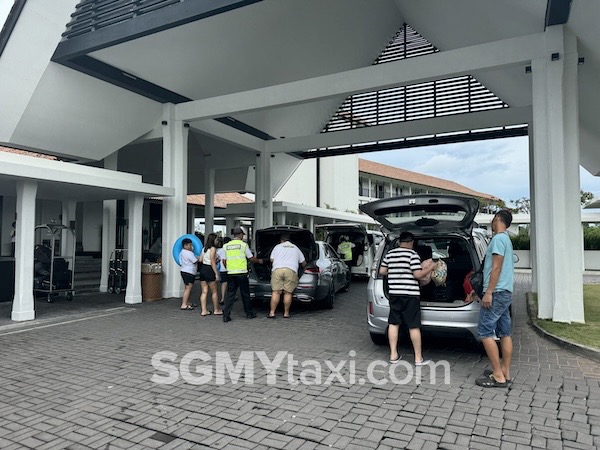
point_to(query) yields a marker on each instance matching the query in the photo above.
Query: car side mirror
(515, 258)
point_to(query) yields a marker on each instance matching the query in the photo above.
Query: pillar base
(103, 288)
(21, 316)
(133, 299)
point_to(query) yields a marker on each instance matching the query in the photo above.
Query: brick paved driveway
(86, 384)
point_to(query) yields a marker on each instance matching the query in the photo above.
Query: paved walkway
(86, 383)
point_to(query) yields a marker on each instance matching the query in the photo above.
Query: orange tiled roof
(26, 153)
(221, 200)
(418, 178)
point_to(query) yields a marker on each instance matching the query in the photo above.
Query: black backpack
(476, 280)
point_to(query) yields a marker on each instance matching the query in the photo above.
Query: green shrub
(591, 238)
(520, 242)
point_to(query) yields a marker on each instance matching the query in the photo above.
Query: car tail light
(370, 308)
(313, 270)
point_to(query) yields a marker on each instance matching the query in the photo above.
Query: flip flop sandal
(207, 314)
(270, 316)
(396, 361)
(220, 313)
(488, 372)
(490, 382)
(187, 308)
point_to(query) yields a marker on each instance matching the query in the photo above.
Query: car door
(338, 267)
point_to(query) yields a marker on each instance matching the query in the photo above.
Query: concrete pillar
(556, 179)
(281, 217)
(190, 216)
(229, 225)
(23, 301)
(67, 239)
(263, 216)
(175, 175)
(311, 224)
(209, 200)
(109, 226)
(135, 208)
(532, 197)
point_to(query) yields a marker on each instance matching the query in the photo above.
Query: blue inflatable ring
(196, 244)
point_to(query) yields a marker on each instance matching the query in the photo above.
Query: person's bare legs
(491, 349)
(506, 346)
(214, 292)
(415, 338)
(287, 303)
(393, 332)
(275, 297)
(223, 292)
(204, 286)
(185, 300)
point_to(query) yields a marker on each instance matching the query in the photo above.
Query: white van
(360, 249)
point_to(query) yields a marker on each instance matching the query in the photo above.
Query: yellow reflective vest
(235, 253)
(345, 248)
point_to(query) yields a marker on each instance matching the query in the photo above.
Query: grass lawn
(586, 334)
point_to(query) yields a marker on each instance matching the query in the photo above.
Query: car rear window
(424, 216)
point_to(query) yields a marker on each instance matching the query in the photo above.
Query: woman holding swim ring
(209, 276)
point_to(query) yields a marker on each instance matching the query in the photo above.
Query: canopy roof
(236, 53)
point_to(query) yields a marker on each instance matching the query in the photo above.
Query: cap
(237, 230)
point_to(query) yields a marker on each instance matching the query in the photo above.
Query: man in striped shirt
(402, 265)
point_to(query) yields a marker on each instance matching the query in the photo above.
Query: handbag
(476, 280)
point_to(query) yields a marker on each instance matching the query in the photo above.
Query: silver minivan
(363, 249)
(443, 229)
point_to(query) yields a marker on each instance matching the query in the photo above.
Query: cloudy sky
(498, 167)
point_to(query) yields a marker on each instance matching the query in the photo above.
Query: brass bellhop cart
(53, 273)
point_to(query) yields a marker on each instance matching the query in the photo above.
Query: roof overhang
(58, 180)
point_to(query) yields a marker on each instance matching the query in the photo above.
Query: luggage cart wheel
(49, 299)
(117, 290)
(69, 296)
(110, 290)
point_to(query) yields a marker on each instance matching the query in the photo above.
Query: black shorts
(223, 277)
(207, 273)
(405, 309)
(188, 278)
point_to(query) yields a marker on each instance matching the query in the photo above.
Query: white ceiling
(267, 43)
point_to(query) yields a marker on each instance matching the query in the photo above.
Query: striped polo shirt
(401, 262)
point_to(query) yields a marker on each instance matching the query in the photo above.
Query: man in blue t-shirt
(494, 317)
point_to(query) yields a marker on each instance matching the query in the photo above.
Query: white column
(556, 180)
(532, 236)
(311, 224)
(264, 197)
(281, 217)
(175, 175)
(23, 301)
(209, 200)
(191, 216)
(135, 208)
(229, 225)
(67, 239)
(109, 226)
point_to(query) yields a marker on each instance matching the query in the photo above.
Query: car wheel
(379, 339)
(330, 299)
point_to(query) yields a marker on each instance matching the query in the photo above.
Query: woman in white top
(222, 269)
(209, 276)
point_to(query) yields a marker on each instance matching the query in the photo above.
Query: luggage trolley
(51, 272)
(117, 273)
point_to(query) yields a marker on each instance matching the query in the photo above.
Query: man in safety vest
(345, 249)
(237, 255)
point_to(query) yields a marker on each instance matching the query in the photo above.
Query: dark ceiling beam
(11, 21)
(412, 143)
(557, 12)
